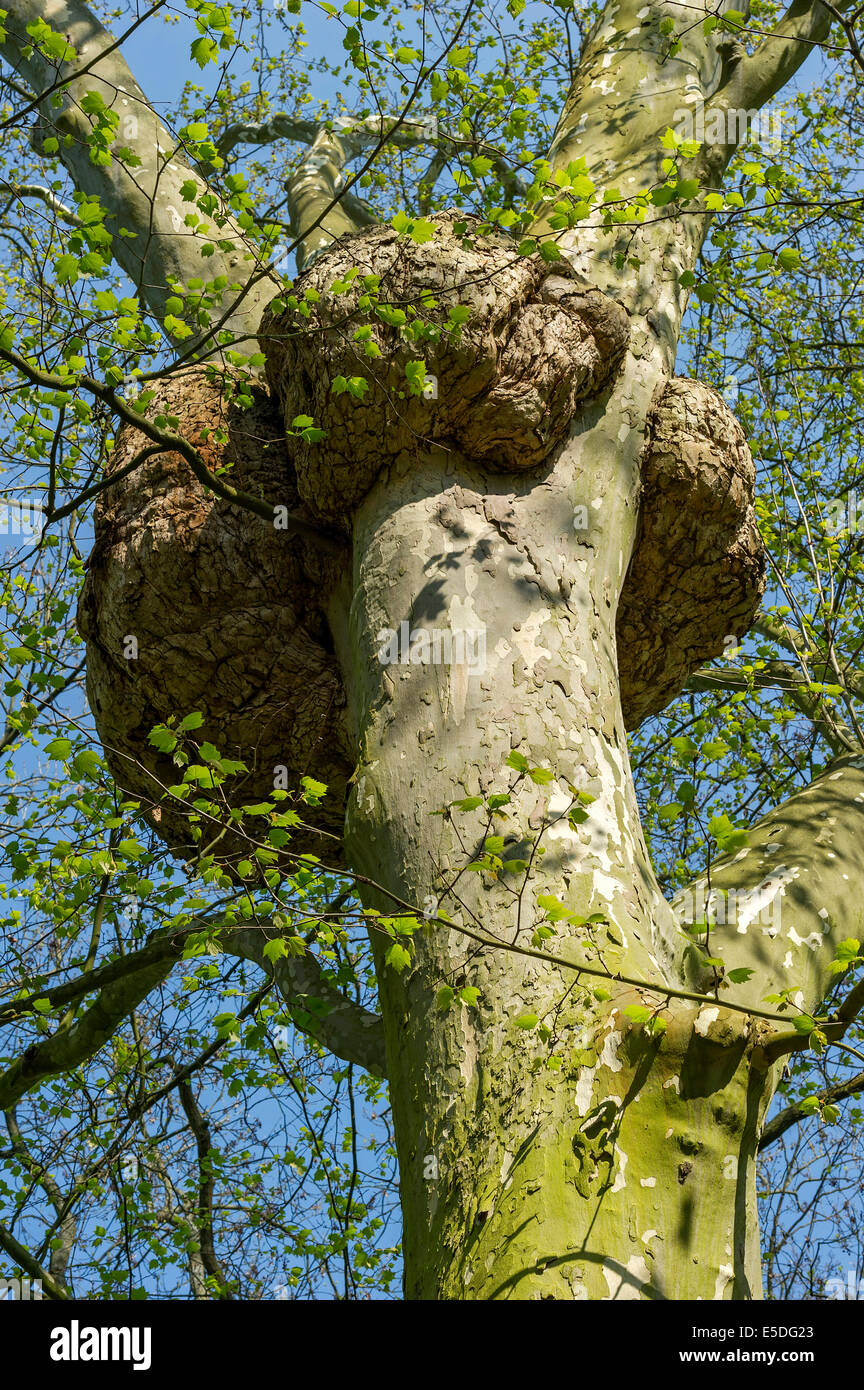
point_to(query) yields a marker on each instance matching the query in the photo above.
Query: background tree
(455, 427)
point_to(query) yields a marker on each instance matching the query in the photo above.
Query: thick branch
(793, 1114)
(66, 1049)
(788, 896)
(318, 217)
(143, 198)
(782, 675)
(356, 136)
(757, 79)
(25, 1260)
(317, 1007)
(45, 195)
(168, 440)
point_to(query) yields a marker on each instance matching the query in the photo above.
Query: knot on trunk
(457, 340)
(698, 568)
(194, 603)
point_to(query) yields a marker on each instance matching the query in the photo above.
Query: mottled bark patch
(504, 386)
(698, 568)
(224, 616)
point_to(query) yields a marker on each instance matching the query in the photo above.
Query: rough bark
(507, 384)
(225, 612)
(698, 567)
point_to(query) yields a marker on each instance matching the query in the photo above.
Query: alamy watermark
(844, 516)
(21, 516)
(849, 1288)
(719, 127)
(407, 646)
(20, 1290)
(733, 907)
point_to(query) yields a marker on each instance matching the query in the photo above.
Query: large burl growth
(223, 613)
(234, 616)
(507, 381)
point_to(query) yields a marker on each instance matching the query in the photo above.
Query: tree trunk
(594, 1161)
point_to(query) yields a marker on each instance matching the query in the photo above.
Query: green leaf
(469, 995)
(204, 50)
(163, 739)
(66, 268)
(725, 833)
(541, 776)
(527, 1021)
(638, 1013)
(398, 956)
(87, 763)
(686, 188)
(470, 803)
(59, 748)
(553, 907)
(192, 721)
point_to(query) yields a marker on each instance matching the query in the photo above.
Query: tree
(390, 555)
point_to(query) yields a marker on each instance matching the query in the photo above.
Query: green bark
(596, 1162)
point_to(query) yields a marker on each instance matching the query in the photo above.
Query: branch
(162, 946)
(10, 733)
(785, 1119)
(313, 190)
(62, 1247)
(781, 674)
(200, 1127)
(346, 1029)
(22, 1257)
(142, 197)
(67, 1048)
(168, 440)
(838, 1022)
(318, 216)
(37, 190)
(756, 79)
(790, 890)
(343, 1027)
(357, 136)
